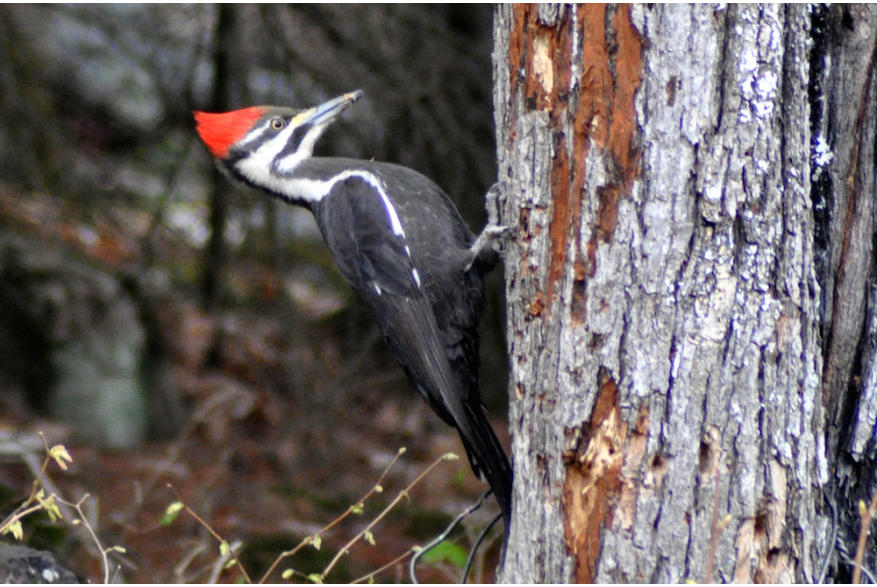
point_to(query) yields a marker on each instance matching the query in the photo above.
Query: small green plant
(52, 504)
(37, 500)
(367, 534)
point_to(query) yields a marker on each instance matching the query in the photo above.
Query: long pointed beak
(327, 111)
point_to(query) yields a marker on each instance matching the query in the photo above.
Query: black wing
(358, 229)
(372, 252)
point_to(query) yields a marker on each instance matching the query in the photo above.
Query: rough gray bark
(671, 416)
(846, 195)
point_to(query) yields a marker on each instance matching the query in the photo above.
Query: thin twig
(212, 532)
(376, 488)
(41, 479)
(412, 566)
(55, 506)
(843, 556)
(84, 522)
(471, 558)
(393, 562)
(222, 562)
(402, 494)
(867, 514)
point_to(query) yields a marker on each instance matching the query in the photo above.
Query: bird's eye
(277, 123)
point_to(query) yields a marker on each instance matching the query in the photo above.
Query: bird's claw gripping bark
(494, 231)
(494, 200)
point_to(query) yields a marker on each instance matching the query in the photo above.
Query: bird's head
(263, 145)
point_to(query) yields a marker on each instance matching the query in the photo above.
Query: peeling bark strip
(663, 295)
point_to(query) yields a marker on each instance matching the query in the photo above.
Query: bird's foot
(485, 240)
(494, 231)
(493, 201)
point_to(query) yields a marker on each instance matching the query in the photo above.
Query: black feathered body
(412, 272)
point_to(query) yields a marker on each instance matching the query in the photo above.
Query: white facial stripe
(269, 148)
(256, 171)
(257, 166)
(304, 150)
(254, 135)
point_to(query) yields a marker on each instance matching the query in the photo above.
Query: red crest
(220, 131)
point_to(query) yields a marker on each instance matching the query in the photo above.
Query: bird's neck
(313, 179)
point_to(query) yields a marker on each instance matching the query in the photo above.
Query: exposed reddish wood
(634, 453)
(593, 482)
(516, 43)
(564, 217)
(595, 85)
(604, 114)
(540, 73)
(626, 81)
(537, 306)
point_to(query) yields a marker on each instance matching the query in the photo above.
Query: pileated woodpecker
(399, 242)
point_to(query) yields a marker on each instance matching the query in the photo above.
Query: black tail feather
(489, 460)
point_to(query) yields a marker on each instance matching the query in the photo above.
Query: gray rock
(21, 565)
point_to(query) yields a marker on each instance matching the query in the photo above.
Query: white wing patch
(314, 190)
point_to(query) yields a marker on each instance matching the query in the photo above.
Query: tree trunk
(227, 90)
(691, 373)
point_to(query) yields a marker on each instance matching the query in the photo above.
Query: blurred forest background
(169, 327)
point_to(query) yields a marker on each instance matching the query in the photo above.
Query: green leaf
(171, 513)
(369, 537)
(48, 504)
(287, 574)
(60, 454)
(448, 552)
(15, 529)
(223, 548)
(316, 578)
(317, 542)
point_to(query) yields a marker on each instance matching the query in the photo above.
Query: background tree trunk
(227, 91)
(693, 191)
